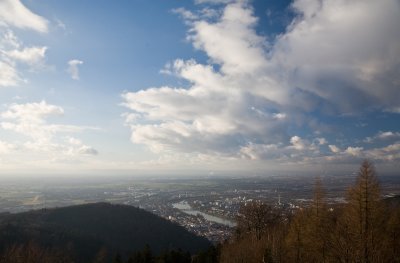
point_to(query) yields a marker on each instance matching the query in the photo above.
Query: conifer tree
(295, 239)
(393, 235)
(364, 215)
(318, 226)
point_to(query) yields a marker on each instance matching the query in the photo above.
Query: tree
(101, 256)
(33, 253)
(257, 218)
(295, 239)
(318, 225)
(364, 215)
(117, 258)
(257, 235)
(393, 235)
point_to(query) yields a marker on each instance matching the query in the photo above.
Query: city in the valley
(207, 206)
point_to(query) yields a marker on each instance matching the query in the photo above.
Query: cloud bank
(254, 95)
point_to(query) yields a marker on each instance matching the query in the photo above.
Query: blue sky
(199, 86)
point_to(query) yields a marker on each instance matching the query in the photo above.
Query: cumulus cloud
(14, 55)
(334, 148)
(78, 147)
(73, 69)
(386, 153)
(192, 120)
(354, 151)
(14, 13)
(336, 57)
(30, 55)
(297, 143)
(34, 112)
(321, 141)
(84, 149)
(381, 135)
(30, 121)
(343, 47)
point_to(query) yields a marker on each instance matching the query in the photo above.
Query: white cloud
(393, 109)
(214, 1)
(84, 149)
(260, 151)
(321, 141)
(186, 14)
(386, 153)
(78, 147)
(14, 54)
(60, 24)
(388, 135)
(279, 116)
(31, 112)
(354, 151)
(74, 141)
(8, 75)
(8, 39)
(334, 148)
(246, 101)
(345, 53)
(30, 120)
(73, 68)
(381, 135)
(30, 56)
(193, 120)
(233, 32)
(14, 13)
(297, 143)
(6, 147)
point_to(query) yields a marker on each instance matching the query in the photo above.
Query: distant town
(206, 206)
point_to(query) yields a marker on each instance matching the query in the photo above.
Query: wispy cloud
(12, 51)
(8, 75)
(73, 69)
(14, 13)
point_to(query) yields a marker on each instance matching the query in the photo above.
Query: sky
(202, 86)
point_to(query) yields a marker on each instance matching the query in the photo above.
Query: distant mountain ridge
(90, 227)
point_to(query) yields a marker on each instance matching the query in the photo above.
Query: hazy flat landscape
(218, 196)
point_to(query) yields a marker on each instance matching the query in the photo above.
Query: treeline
(80, 232)
(33, 253)
(172, 256)
(365, 229)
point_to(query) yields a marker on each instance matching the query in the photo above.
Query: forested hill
(86, 229)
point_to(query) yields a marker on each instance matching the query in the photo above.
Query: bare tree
(257, 218)
(364, 215)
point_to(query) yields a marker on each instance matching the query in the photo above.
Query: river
(186, 208)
